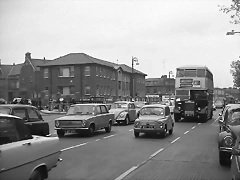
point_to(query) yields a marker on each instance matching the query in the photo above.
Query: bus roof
(194, 67)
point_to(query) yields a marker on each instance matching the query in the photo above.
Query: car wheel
(164, 134)
(171, 131)
(126, 120)
(136, 134)
(109, 128)
(60, 133)
(36, 175)
(222, 158)
(91, 130)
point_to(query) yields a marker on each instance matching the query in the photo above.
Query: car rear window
(5, 110)
(8, 132)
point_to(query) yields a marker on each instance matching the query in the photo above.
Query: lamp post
(134, 60)
(232, 32)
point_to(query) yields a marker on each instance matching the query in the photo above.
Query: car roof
(8, 115)
(88, 104)
(156, 105)
(233, 106)
(123, 102)
(16, 105)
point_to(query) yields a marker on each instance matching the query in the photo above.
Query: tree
(234, 11)
(235, 71)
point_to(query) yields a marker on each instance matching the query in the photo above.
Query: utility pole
(134, 59)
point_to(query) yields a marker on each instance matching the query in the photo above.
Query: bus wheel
(177, 117)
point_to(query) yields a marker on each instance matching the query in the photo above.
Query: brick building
(79, 75)
(157, 87)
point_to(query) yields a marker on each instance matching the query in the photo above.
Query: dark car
(229, 118)
(30, 115)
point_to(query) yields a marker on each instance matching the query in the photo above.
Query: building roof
(16, 69)
(38, 62)
(5, 69)
(82, 58)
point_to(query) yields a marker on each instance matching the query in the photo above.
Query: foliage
(235, 71)
(234, 11)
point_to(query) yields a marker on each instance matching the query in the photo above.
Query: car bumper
(225, 149)
(141, 130)
(63, 128)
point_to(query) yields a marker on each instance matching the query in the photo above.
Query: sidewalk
(55, 111)
(193, 157)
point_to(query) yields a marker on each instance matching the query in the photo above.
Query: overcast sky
(162, 34)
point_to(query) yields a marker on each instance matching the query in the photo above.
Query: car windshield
(139, 104)
(5, 110)
(234, 116)
(119, 105)
(81, 110)
(158, 111)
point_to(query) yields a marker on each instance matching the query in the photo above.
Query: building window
(45, 73)
(113, 76)
(87, 71)
(108, 74)
(104, 73)
(100, 71)
(101, 90)
(119, 84)
(71, 71)
(148, 90)
(108, 90)
(97, 91)
(96, 71)
(17, 85)
(87, 90)
(65, 90)
(46, 88)
(66, 72)
(105, 90)
(155, 91)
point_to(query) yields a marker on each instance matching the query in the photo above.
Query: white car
(22, 155)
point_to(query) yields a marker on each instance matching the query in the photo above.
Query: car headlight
(57, 123)
(228, 141)
(199, 108)
(136, 123)
(161, 124)
(179, 108)
(84, 122)
(121, 115)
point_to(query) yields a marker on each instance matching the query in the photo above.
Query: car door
(37, 124)
(98, 118)
(105, 116)
(17, 150)
(168, 116)
(132, 111)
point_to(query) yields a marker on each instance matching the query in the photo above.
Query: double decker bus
(193, 93)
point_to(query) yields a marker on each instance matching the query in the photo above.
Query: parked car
(84, 117)
(229, 118)
(124, 111)
(31, 116)
(23, 155)
(235, 158)
(155, 118)
(219, 104)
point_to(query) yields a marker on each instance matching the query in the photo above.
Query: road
(111, 156)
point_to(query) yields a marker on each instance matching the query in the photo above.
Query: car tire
(170, 131)
(222, 158)
(60, 133)
(177, 117)
(91, 130)
(109, 128)
(164, 133)
(36, 175)
(136, 134)
(126, 120)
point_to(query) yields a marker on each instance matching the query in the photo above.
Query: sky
(161, 34)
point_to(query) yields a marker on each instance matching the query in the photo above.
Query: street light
(134, 60)
(232, 32)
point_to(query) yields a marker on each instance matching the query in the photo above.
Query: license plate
(148, 127)
(70, 131)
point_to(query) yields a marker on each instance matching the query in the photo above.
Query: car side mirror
(235, 151)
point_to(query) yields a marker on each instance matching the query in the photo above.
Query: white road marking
(131, 130)
(72, 147)
(97, 139)
(186, 132)
(215, 121)
(193, 127)
(126, 173)
(157, 152)
(175, 140)
(109, 136)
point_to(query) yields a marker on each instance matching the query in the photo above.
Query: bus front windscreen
(198, 95)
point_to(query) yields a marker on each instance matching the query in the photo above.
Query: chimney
(14, 64)
(28, 55)
(44, 59)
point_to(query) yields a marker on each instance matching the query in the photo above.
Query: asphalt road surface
(189, 153)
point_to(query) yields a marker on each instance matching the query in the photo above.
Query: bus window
(201, 73)
(180, 73)
(190, 73)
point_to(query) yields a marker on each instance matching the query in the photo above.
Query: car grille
(70, 124)
(189, 107)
